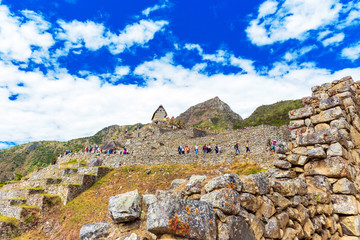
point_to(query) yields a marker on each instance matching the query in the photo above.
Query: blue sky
(68, 68)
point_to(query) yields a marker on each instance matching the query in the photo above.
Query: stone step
(53, 172)
(85, 180)
(18, 211)
(66, 192)
(42, 200)
(97, 171)
(19, 193)
(36, 183)
(11, 202)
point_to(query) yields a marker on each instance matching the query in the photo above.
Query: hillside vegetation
(274, 114)
(22, 159)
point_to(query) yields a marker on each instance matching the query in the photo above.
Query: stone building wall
(313, 192)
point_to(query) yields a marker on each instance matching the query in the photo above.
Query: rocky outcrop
(125, 207)
(211, 112)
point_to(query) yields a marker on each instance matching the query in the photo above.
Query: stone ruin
(313, 192)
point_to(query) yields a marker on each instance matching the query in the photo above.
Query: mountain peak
(211, 113)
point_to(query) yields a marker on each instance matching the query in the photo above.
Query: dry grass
(9, 220)
(92, 205)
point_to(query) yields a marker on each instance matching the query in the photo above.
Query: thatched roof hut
(160, 114)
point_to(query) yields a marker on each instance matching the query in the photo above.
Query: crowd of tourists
(114, 150)
(206, 148)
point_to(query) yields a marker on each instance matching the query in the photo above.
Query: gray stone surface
(235, 227)
(261, 181)
(95, 231)
(224, 181)
(95, 162)
(194, 183)
(185, 218)
(149, 199)
(176, 182)
(226, 199)
(125, 207)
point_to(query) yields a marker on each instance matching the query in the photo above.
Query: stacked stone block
(324, 152)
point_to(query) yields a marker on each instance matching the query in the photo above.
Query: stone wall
(313, 192)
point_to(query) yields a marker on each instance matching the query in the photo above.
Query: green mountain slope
(274, 114)
(25, 158)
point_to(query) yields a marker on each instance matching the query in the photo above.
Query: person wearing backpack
(237, 148)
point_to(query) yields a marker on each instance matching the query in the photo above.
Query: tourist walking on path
(272, 149)
(216, 149)
(237, 148)
(247, 147)
(204, 148)
(268, 145)
(209, 148)
(196, 148)
(179, 150)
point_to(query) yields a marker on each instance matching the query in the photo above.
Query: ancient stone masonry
(313, 192)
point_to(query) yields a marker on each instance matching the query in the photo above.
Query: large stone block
(329, 102)
(316, 153)
(340, 124)
(345, 204)
(235, 227)
(330, 135)
(224, 181)
(289, 188)
(262, 182)
(125, 207)
(194, 183)
(335, 149)
(351, 225)
(328, 115)
(330, 167)
(185, 218)
(226, 199)
(344, 186)
(301, 113)
(279, 201)
(95, 231)
(301, 132)
(272, 229)
(297, 124)
(250, 202)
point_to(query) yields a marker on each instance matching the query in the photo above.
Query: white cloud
(295, 54)
(351, 53)
(293, 20)
(156, 7)
(223, 57)
(135, 34)
(19, 35)
(267, 8)
(89, 33)
(95, 35)
(334, 39)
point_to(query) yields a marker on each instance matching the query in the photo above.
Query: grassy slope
(275, 114)
(92, 205)
(25, 158)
